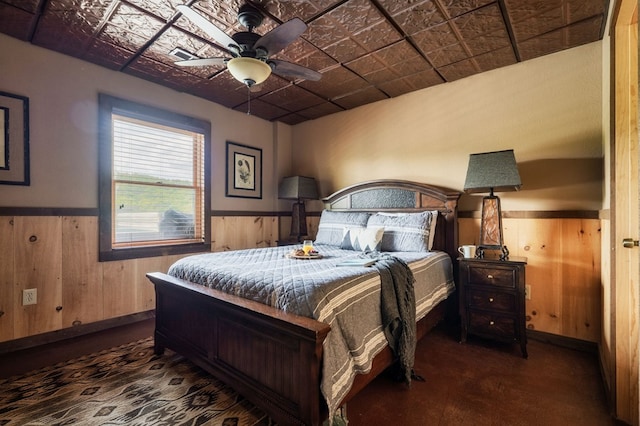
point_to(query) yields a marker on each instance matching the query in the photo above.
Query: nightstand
(492, 299)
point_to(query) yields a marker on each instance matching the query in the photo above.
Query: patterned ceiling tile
(458, 70)
(321, 110)
(292, 119)
(578, 10)
(30, 6)
(533, 26)
(324, 32)
(16, 22)
(108, 55)
(377, 36)
(413, 17)
(222, 13)
(394, 88)
(130, 28)
(435, 38)
(488, 42)
(424, 79)
(292, 98)
(303, 9)
(564, 38)
(345, 50)
(336, 82)
(496, 59)
(398, 53)
(481, 21)
(56, 32)
(448, 55)
(261, 109)
(361, 97)
(456, 8)
(410, 83)
(164, 9)
(147, 68)
(531, 19)
(356, 15)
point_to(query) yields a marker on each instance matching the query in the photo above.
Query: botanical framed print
(14, 139)
(244, 171)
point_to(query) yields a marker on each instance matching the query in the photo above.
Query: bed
(277, 349)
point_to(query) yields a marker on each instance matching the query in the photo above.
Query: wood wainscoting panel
(81, 272)
(8, 291)
(38, 264)
(563, 270)
(118, 288)
(241, 232)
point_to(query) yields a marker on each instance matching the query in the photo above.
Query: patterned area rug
(127, 385)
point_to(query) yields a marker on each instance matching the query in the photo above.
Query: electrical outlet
(29, 296)
(527, 292)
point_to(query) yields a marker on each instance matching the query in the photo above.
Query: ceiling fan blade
(222, 38)
(202, 62)
(288, 69)
(281, 36)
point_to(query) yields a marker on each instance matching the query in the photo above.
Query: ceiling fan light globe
(249, 71)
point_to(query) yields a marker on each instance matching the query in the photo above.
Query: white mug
(467, 251)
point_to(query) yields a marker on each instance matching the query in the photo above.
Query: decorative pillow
(405, 232)
(332, 224)
(363, 239)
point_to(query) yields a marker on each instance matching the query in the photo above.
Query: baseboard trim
(563, 341)
(71, 332)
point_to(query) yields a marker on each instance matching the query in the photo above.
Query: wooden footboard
(272, 358)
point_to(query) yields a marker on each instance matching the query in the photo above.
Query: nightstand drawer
(489, 324)
(491, 300)
(492, 276)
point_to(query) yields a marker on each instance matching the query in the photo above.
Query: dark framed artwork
(244, 171)
(14, 139)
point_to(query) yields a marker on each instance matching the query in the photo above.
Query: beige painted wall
(549, 110)
(63, 94)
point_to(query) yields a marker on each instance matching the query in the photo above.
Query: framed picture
(244, 171)
(14, 139)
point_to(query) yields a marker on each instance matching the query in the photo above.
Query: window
(154, 181)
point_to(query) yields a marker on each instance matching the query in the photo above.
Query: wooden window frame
(107, 107)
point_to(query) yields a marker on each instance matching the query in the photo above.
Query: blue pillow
(405, 232)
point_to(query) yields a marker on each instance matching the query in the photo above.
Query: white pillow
(362, 239)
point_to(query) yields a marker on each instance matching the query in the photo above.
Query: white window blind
(158, 184)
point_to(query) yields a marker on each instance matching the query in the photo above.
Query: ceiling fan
(250, 61)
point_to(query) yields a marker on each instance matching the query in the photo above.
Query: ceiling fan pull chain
(248, 100)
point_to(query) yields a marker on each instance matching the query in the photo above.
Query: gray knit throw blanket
(398, 310)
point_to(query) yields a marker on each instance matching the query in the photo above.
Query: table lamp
(298, 188)
(488, 172)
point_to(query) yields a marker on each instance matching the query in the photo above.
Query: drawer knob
(490, 276)
(491, 300)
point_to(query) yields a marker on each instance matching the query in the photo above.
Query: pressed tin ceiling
(366, 50)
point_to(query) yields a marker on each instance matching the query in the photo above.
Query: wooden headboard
(387, 195)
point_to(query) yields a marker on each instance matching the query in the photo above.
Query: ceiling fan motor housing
(249, 16)
(246, 40)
